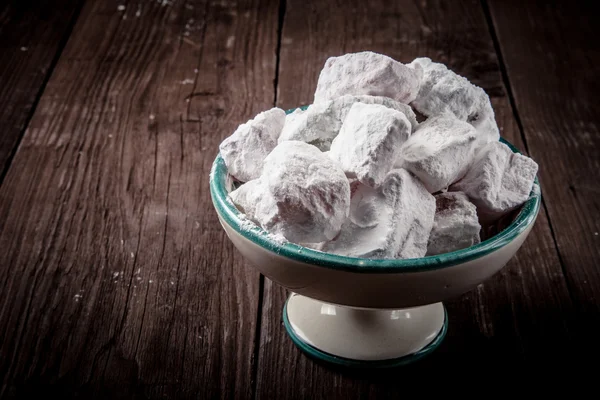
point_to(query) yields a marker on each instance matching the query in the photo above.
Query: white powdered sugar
(368, 73)
(255, 201)
(455, 225)
(277, 238)
(498, 181)
(301, 194)
(392, 221)
(356, 175)
(442, 91)
(321, 122)
(369, 142)
(245, 150)
(247, 224)
(439, 151)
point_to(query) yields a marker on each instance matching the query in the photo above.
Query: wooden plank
(32, 34)
(511, 319)
(117, 279)
(552, 61)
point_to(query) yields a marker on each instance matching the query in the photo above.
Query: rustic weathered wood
(552, 60)
(513, 318)
(116, 277)
(32, 34)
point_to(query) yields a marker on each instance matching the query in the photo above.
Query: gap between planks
(62, 44)
(513, 105)
(261, 281)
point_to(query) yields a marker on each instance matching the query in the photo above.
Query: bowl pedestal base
(362, 337)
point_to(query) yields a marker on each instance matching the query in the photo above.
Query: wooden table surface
(117, 280)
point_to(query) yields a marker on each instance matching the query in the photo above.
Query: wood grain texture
(117, 280)
(513, 318)
(32, 34)
(556, 94)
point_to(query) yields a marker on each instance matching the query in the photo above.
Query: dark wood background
(116, 278)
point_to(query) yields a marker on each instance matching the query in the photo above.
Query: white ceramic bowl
(367, 312)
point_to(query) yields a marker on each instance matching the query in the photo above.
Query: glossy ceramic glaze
(373, 288)
(381, 288)
(363, 334)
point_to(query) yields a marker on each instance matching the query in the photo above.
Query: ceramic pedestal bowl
(367, 312)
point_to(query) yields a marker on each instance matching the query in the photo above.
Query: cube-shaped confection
(455, 225)
(443, 91)
(498, 181)
(392, 221)
(311, 193)
(320, 123)
(245, 150)
(367, 73)
(369, 142)
(439, 152)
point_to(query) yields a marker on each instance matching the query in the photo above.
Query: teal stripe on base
(313, 352)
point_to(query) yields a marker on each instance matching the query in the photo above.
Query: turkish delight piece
(498, 181)
(247, 196)
(392, 221)
(320, 123)
(384, 101)
(368, 73)
(439, 152)
(369, 142)
(245, 150)
(369, 230)
(442, 91)
(293, 119)
(311, 193)
(255, 202)
(455, 225)
(317, 125)
(486, 126)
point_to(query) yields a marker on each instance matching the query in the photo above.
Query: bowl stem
(354, 337)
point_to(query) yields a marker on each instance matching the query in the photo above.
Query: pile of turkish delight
(356, 174)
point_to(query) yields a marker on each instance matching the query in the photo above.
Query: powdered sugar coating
(346, 200)
(439, 151)
(320, 123)
(255, 202)
(455, 225)
(498, 181)
(486, 126)
(246, 197)
(311, 192)
(443, 91)
(247, 224)
(245, 150)
(369, 142)
(368, 73)
(392, 221)
(296, 120)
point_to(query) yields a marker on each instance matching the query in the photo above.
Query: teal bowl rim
(231, 215)
(314, 352)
